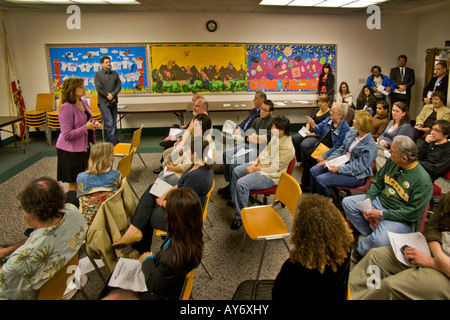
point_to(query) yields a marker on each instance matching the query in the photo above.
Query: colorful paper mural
(288, 67)
(130, 61)
(178, 68)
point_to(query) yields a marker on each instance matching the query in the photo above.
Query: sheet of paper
(168, 173)
(121, 107)
(300, 101)
(128, 275)
(174, 131)
(160, 187)
(303, 131)
(86, 265)
(400, 92)
(365, 205)
(415, 240)
(241, 152)
(339, 161)
(280, 104)
(227, 105)
(382, 90)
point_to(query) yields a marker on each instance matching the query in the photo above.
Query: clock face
(211, 25)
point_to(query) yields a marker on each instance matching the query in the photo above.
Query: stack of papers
(160, 187)
(339, 161)
(128, 275)
(415, 240)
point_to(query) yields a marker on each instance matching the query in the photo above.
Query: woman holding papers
(304, 135)
(151, 213)
(98, 182)
(366, 100)
(429, 279)
(181, 252)
(351, 162)
(331, 133)
(398, 126)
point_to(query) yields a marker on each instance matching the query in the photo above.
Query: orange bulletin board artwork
(178, 68)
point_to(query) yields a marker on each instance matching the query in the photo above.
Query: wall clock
(211, 25)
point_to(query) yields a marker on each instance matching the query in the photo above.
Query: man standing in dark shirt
(107, 84)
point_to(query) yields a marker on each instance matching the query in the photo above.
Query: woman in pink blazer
(77, 130)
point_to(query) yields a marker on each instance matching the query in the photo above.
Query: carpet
(224, 258)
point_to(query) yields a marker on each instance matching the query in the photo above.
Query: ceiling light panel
(274, 2)
(305, 3)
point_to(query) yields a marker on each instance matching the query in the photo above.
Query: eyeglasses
(397, 173)
(436, 130)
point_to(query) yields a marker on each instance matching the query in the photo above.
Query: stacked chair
(38, 118)
(52, 122)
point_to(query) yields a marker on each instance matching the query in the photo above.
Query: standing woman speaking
(77, 130)
(326, 82)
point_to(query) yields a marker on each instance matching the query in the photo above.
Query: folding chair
(187, 286)
(264, 222)
(124, 166)
(122, 149)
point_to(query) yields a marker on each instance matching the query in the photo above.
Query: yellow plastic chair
(53, 122)
(122, 149)
(124, 166)
(187, 286)
(54, 288)
(264, 222)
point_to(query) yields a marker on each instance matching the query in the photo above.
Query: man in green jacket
(399, 195)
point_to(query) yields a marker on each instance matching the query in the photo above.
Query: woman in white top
(344, 95)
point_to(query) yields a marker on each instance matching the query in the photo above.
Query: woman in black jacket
(165, 271)
(326, 82)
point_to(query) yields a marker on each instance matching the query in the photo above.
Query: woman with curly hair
(318, 265)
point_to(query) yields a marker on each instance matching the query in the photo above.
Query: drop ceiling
(408, 7)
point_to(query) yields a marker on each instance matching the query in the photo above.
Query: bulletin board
(130, 61)
(159, 68)
(287, 67)
(178, 68)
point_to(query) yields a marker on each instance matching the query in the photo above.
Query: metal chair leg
(262, 258)
(201, 262)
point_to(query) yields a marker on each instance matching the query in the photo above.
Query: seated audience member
(399, 125)
(256, 139)
(98, 182)
(331, 132)
(319, 262)
(177, 164)
(59, 232)
(181, 252)
(378, 81)
(434, 153)
(361, 150)
(344, 95)
(199, 105)
(430, 113)
(366, 100)
(265, 172)
(233, 128)
(317, 117)
(428, 279)
(326, 81)
(399, 195)
(170, 140)
(151, 210)
(380, 120)
(438, 83)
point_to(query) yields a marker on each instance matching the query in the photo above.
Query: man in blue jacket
(378, 79)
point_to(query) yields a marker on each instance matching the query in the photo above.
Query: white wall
(358, 48)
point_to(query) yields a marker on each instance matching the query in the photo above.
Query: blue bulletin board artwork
(287, 67)
(130, 61)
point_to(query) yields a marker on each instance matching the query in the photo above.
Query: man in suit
(438, 83)
(403, 78)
